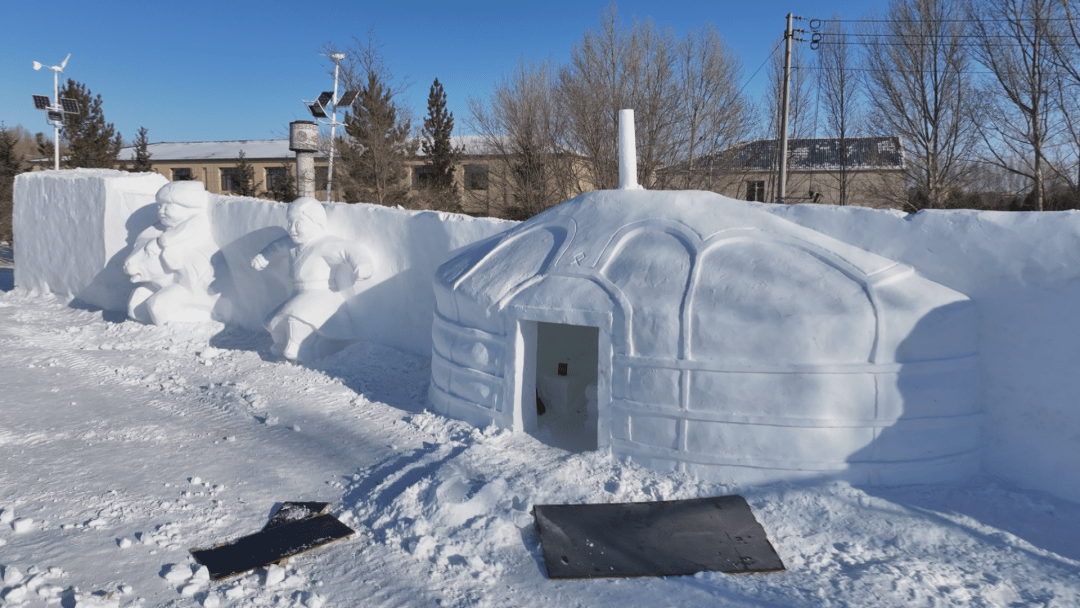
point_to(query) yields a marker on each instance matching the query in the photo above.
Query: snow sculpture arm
(275, 249)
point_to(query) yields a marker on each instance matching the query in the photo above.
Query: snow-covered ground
(122, 446)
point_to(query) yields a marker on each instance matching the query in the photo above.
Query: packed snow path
(122, 446)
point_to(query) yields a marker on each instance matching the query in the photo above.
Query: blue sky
(228, 70)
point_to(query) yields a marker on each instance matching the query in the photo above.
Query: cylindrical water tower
(304, 140)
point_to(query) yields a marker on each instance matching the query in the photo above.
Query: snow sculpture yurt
(688, 331)
(727, 342)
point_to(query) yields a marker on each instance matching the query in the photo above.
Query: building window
(755, 191)
(275, 176)
(230, 179)
(476, 177)
(181, 174)
(421, 177)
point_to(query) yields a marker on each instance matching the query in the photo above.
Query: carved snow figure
(316, 309)
(172, 259)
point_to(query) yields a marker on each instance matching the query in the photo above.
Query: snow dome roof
(702, 268)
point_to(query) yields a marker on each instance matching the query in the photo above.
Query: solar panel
(41, 102)
(70, 106)
(325, 98)
(347, 99)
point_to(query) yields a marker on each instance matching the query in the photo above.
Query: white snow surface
(127, 447)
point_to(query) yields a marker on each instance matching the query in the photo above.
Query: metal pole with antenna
(318, 109)
(57, 109)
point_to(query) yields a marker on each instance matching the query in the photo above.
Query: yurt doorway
(567, 364)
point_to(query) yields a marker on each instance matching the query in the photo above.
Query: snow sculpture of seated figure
(172, 259)
(316, 309)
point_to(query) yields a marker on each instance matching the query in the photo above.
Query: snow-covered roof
(259, 149)
(821, 154)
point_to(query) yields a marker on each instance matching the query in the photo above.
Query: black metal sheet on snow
(270, 545)
(667, 538)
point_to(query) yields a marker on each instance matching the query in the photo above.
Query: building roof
(277, 149)
(823, 154)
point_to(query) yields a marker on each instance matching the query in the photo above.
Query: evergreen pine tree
(142, 154)
(245, 177)
(11, 164)
(91, 141)
(45, 146)
(440, 153)
(373, 162)
(436, 145)
(283, 189)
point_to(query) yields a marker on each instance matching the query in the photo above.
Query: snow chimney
(627, 152)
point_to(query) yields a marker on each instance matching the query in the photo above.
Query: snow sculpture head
(313, 322)
(307, 220)
(172, 259)
(178, 202)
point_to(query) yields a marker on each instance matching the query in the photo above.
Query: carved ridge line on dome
(479, 374)
(735, 367)
(633, 449)
(469, 332)
(465, 410)
(635, 408)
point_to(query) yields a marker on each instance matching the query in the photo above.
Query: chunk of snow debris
(23, 524)
(126, 589)
(314, 600)
(274, 575)
(49, 591)
(190, 589)
(15, 594)
(211, 601)
(195, 480)
(123, 543)
(209, 353)
(235, 592)
(176, 573)
(7, 515)
(12, 576)
(202, 574)
(97, 522)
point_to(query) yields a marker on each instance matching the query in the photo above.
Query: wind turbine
(58, 108)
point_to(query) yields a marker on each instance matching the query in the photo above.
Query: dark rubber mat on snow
(271, 545)
(668, 538)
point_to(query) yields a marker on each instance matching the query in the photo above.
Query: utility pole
(781, 180)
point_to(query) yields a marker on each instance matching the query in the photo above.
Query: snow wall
(74, 228)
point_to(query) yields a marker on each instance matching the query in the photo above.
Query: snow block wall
(74, 229)
(1023, 272)
(732, 345)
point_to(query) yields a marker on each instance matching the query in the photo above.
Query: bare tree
(712, 114)
(919, 88)
(1014, 44)
(520, 124)
(613, 68)
(838, 86)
